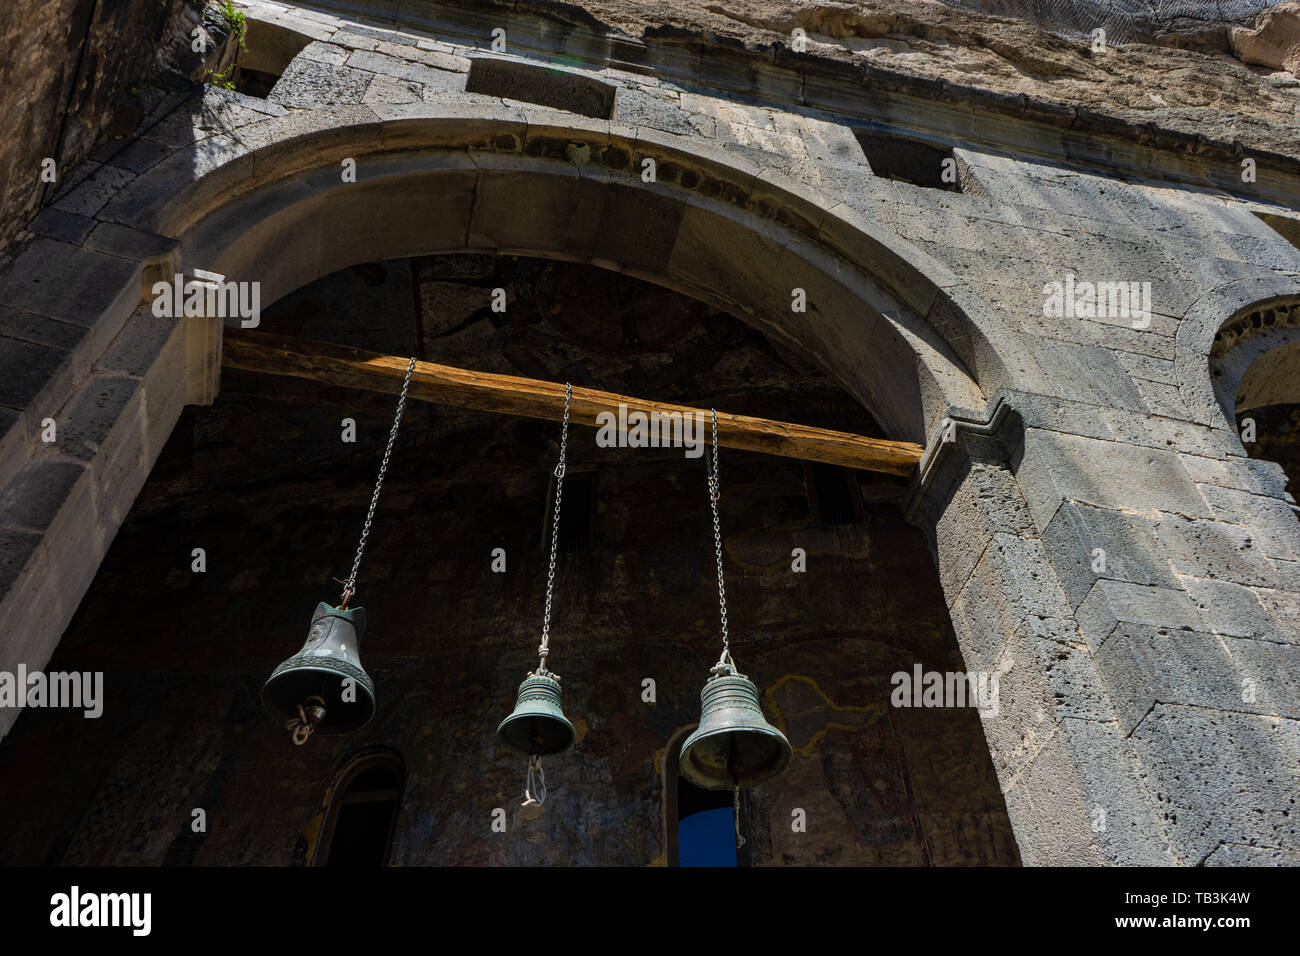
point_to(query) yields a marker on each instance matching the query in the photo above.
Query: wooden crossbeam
(347, 367)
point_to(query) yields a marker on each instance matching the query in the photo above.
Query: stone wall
(71, 70)
(1103, 539)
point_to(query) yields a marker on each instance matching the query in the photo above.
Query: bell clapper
(310, 714)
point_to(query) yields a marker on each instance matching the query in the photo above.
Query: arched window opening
(1255, 371)
(362, 814)
(700, 825)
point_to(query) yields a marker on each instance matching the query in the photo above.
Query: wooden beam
(347, 367)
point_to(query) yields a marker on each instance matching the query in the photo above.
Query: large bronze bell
(330, 656)
(537, 726)
(734, 745)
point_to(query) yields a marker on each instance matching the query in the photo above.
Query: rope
(545, 647)
(303, 726)
(535, 789)
(740, 840)
(349, 588)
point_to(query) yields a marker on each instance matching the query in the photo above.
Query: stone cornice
(864, 94)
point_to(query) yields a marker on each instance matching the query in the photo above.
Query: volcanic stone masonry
(925, 177)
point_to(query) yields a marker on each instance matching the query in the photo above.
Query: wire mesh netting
(1124, 21)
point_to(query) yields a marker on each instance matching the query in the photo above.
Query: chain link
(544, 648)
(715, 492)
(349, 588)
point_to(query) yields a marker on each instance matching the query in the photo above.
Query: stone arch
(900, 332)
(1238, 348)
(1256, 357)
(892, 325)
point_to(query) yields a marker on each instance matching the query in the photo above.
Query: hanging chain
(715, 492)
(544, 649)
(349, 588)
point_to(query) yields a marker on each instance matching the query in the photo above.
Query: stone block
(635, 107)
(1220, 777)
(1273, 522)
(75, 286)
(89, 195)
(1257, 476)
(1085, 373)
(526, 82)
(1130, 550)
(1228, 608)
(428, 54)
(1142, 665)
(172, 193)
(983, 501)
(1213, 549)
(1157, 432)
(35, 379)
(331, 53)
(1114, 602)
(1081, 802)
(1054, 467)
(310, 84)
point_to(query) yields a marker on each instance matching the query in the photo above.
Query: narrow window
(362, 814)
(577, 514)
(834, 498)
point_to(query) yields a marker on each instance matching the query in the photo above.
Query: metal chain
(349, 588)
(715, 492)
(544, 648)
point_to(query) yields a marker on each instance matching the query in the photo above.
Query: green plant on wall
(224, 79)
(233, 19)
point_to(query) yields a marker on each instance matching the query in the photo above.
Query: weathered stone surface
(1143, 665)
(1055, 467)
(1086, 543)
(308, 84)
(1219, 777)
(1115, 602)
(1273, 41)
(69, 284)
(49, 108)
(925, 304)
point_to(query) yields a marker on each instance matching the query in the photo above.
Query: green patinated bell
(537, 726)
(331, 655)
(734, 745)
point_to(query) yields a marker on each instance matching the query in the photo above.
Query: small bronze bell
(309, 686)
(734, 745)
(537, 726)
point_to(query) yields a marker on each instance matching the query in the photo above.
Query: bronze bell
(313, 678)
(734, 745)
(537, 726)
